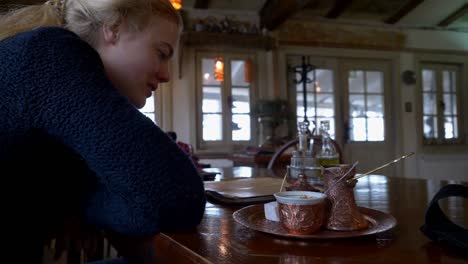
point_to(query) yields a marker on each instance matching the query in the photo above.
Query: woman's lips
(151, 89)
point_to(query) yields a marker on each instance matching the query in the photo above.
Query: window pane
(212, 127)
(240, 127)
(324, 81)
(449, 81)
(300, 112)
(211, 100)
(430, 126)
(450, 104)
(429, 104)
(301, 119)
(331, 131)
(358, 129)
(428, 80)
(310, 105)
(151, 116)
(375, 129)
(240, 100)
(375, 106)
(357, 105)
(320, 102)
(356, 81)
(149, 106)
(148, 110)
(326, 105)
(208, 72)
(309, 88)
(312, 123)
(238, 73)
(451, 127)
(374, 82)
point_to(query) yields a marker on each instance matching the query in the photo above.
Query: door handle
(346, 131)
(442, 105)
(229, 101)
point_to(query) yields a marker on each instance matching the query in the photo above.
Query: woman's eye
(162, 56)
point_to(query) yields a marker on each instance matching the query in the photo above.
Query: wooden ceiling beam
(403, 11)
(202, 4)
(275, 12)
(454, 16)
(21, 2)
(338, 8)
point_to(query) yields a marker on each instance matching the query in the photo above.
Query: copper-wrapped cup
(301, 212)
(344, 214)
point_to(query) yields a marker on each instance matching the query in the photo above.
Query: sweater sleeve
(147, 184)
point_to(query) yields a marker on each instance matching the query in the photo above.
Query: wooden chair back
(317, 144)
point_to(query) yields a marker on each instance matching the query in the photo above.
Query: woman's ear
(111, 33)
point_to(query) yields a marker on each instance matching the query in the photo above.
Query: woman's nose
(163, 73)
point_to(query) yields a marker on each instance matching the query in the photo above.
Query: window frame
(365, 95)
(226, 144)
(461, 61)
(150, 114)
(438, 69)
(315, 93)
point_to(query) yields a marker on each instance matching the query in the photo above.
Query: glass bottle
(302, 129)
(298, 159)
(303, 161)
(327, 154)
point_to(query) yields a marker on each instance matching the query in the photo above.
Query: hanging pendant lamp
(177, 4)
(219, 69)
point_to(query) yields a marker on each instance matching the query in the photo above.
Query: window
(365, 102)
(440, 119)
(224, 118)
(320, 100)
(366, 105)
(149, 109)
(351, 94)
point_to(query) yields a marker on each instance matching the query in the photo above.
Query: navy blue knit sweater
(69, 141)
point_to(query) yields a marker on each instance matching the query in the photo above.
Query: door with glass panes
(441, 113)
(353, 96)
(320, 93)
(367, 114)
(224, 100)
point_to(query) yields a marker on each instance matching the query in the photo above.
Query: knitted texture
(58, 108)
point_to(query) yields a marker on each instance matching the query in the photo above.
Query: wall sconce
(248, 70)
(219, 69)
(177, 4)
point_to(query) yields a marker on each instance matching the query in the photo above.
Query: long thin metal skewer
(350, 181)
(284, 179)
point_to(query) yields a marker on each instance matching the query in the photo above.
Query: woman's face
(137, 61)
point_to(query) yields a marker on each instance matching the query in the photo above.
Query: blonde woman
(72, 75)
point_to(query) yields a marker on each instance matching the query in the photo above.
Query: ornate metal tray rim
(253, 217)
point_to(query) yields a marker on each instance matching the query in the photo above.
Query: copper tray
(253, 217)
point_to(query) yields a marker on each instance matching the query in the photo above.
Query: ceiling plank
(338, 8)
(21, 2)
(275, 12)
(202, 4)
(403, 11)
(454, 16)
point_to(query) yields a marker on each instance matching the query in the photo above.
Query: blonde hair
(84, 17)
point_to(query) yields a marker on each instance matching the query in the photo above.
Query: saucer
(253, 217)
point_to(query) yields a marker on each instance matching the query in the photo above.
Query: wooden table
(219, 239)
(260, 160)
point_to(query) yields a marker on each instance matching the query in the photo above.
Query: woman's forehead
(164, 30)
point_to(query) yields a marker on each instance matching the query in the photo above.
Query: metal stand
(303, 70)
